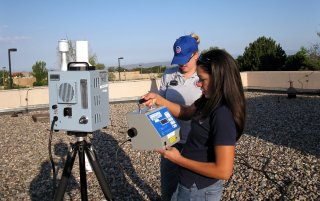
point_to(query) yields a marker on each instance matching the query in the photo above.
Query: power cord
(119, 165)
(50, 154)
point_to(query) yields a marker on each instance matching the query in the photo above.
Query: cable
(139, 108)
(50, 154)
(119, 165)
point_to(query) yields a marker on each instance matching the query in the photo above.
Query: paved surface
(278, 157)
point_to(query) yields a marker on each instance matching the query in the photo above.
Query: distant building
(23, 79)
(133, 75)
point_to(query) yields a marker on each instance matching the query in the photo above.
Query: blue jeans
(169, 176)
(210, 193)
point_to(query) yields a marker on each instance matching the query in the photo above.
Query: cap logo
(178, 49)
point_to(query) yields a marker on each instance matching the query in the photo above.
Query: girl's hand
(151, 99)
(170, 153)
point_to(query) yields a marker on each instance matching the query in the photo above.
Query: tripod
(82, 147)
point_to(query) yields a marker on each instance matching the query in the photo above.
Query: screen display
(164, 121)
(55, 77)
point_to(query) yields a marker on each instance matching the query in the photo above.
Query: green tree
(112, 69)
(121, 69)
(2, 78)
(111, 76)
(40, 72)
(296, 61)
(313, 60)
(239, 61)
(94, 61)
(263, 54)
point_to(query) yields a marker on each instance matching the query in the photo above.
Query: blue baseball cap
(183, 49)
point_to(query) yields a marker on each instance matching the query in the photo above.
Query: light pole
(140, 68)
(10, 79)
(4, 68)
(119, 66)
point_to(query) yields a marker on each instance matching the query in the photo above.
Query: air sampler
(78, 94)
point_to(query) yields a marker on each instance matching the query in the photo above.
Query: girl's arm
(221, 169)
(178, 111)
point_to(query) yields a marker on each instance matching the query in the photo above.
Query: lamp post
(4, 68)
(119, 66)
(10, 79)
(140, 68)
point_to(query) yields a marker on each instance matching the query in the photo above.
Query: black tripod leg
(98, 172)
(65, 175)
(83, 176)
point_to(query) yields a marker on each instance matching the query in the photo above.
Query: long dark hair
(226, 86)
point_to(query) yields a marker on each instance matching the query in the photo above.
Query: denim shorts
(169, 176)
(210, 193)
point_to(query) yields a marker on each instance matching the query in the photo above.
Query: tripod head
(80, 136)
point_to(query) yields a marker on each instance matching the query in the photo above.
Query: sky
(144, 31)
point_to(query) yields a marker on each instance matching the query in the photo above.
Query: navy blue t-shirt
(217, 129)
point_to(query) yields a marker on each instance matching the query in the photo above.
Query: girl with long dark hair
(217, 122)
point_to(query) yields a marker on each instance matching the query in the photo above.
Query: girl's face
(204, 81)
(190, 67)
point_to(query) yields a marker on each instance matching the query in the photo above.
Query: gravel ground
(278, 157)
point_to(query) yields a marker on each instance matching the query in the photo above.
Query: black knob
(132, 132)
(142, 100)
(83, 120)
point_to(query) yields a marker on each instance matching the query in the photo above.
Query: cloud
(14, 39)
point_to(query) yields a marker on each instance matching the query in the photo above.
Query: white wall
(131, 90)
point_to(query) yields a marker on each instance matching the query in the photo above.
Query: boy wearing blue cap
(178, 84)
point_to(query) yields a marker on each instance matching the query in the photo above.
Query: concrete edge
(25, 109)
(283, 90)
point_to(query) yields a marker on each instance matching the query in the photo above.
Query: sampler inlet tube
(64, 48)
(82, 53)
